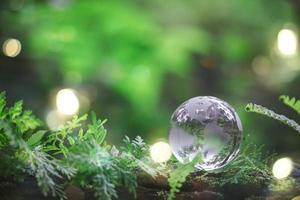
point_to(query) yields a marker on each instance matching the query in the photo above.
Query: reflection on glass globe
(205, 125)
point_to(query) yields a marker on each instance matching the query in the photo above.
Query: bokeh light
(160, 152)
(11, 47)
(54, 120)
(261, 66)
(282, 168)
(287, 42)
(67, 102)
(296, 198)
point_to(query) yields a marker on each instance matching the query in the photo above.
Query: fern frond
(137, 151)
(292, 102)
(95, 169)
(251, 107)
(43, 166)
(96, 130)
(27, 121)
(16, 110)
(104, 188)
(60, 140)
(24, 120)
(179, 175)
(127, 175)
(137, 147)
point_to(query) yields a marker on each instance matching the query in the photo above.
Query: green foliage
(136, 51)
(96, 169)
(138, 151)
(250, 166)
(46, 168)
(292, 102)
(35, 139)
(100, 167)
(269, 113)
(140, 51)
(179, 175)
(95, 130)
(77, 153)
(137, 147)
(27, 153)
(288, 184)
(74, 153)
(255, 164)
(24, 120)
(59, 141)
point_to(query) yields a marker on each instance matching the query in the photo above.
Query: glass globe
(208, 126)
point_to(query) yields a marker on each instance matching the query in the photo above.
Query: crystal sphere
(205, 125)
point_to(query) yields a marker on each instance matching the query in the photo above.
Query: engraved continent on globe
(207, 126)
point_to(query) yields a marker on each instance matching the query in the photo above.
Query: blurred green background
(133, 62)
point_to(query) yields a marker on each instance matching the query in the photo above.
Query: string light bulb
(11, 47)
(67, 102)
(282, 168)
(160, 152)
(287, 42)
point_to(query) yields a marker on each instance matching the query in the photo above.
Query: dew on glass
(205, 125)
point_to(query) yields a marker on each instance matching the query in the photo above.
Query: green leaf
(292, 102)
(24, 120)
(71, 140)
(96, 130)
(27, 121)
(36, 138)
(16, 110)
(80, 134)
